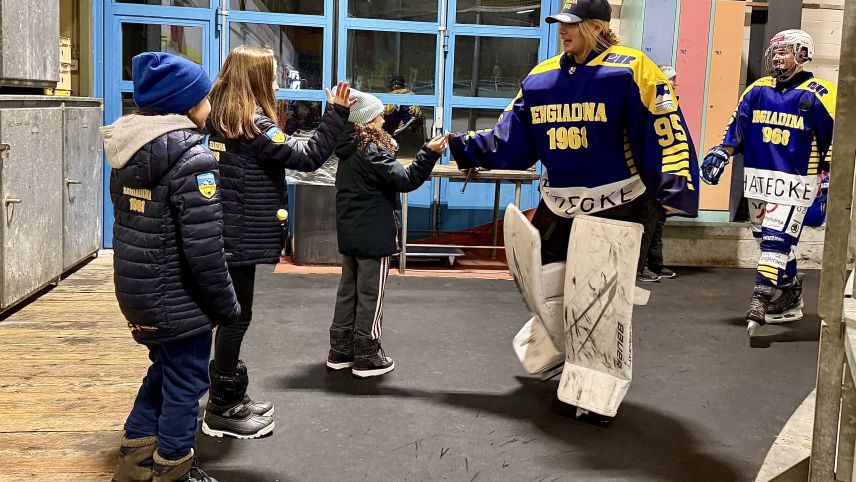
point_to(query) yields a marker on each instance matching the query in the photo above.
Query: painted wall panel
(632, 21)
(723, 93)
(658, 33)
(693, 40)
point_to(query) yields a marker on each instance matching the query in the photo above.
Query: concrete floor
(704, 404)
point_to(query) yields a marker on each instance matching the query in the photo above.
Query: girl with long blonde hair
(253, 154)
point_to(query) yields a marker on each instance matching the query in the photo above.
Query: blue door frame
(108, 16)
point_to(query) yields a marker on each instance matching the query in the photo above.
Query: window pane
(412, 10)
(410, 125)
(128, 105)
(464, 120)
(512, 13)
(170, 3)
(301, 116)
(376, 58)
(138, 38)
(298, 51)
(492, 66)
(305, 7)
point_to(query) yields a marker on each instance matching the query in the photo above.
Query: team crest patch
(207, 184)
(275, 135)
(664, 101)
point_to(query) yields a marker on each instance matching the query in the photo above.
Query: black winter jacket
(368, 183)
(253, 173)
(170, 271)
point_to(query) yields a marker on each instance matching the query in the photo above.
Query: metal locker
(82, 186)
(30, 200)
(29, 43)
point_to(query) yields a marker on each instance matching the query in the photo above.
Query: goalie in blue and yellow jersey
(604, 122)
(783, 126)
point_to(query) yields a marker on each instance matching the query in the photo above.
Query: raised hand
(437, 144)
(343, 93)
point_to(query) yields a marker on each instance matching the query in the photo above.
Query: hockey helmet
(799, 42)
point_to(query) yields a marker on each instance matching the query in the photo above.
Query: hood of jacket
(347, 142)
(143, 148)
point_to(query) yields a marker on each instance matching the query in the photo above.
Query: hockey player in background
(783, 126)
(605, 123)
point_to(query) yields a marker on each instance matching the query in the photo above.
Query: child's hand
(343, 92)
(437, 144)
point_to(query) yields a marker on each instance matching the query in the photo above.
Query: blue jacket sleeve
(274, 146)
(508, 145)
(388, 173)
(739, 123)
(661, 143)
(195, 197)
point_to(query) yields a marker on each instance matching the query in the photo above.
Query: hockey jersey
(606, 130)
(785, 135)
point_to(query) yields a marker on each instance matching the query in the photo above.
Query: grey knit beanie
(366, 109)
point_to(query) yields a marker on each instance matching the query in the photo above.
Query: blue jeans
(167, 404)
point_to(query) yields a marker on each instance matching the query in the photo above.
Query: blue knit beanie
(168, 84)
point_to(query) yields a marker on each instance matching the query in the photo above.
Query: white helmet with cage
(802, 46)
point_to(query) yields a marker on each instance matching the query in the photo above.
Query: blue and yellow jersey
(606, 130)
(785, 135)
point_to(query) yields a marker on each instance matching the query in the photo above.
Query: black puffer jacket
(368, 183)
(253, 173)
(169, 266)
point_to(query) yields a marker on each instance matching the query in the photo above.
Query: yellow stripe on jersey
(824, 90)
(511, 104)
(553, 63)
(676, 166)
(683, 146)
(768, 268)
(675, 158)
(648, 77)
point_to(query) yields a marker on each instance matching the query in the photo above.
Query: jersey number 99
(568, 138)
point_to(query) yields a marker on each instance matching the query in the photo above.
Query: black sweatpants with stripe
(359, 301)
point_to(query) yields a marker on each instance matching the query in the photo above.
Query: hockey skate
(787, 307)
(756, 316)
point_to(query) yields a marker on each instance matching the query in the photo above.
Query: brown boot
(135, 460)
(184, 469)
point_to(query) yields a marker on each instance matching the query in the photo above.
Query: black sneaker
(370, 359)
(648, 276)
(664, 272)
(341, 355)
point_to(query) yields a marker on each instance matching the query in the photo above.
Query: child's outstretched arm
(391, 173)
(195, 196)
(275, 146)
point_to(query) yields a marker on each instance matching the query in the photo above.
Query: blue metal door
(460, 62)
(300, 33)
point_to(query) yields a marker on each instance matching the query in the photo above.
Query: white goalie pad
(599, 293)
(540, 343)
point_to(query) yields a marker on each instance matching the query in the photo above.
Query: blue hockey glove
(714, 164)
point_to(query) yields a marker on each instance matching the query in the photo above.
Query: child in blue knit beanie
(170, 273)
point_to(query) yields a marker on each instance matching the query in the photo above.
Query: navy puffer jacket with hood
(169, 266)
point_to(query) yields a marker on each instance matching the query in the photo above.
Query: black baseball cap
(574, 11)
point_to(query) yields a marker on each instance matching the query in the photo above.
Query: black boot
(369, 359)
(757, 313)
(264, 409)
(226, 414)
(185, 469)
(341, 354)
(135, 460)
